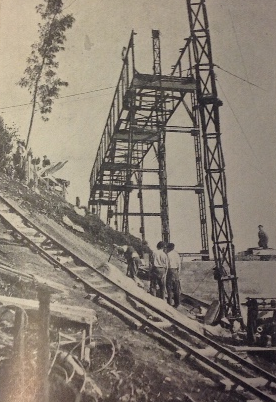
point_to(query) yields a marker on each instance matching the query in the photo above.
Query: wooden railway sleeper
(66, 261)
(28, 231)
(54, 252)
(259, 382)
(36, 239)
(230, 363)
(49, 246)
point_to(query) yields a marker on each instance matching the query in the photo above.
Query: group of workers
(164, 269)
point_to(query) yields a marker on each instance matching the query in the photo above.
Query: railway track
(150, 314)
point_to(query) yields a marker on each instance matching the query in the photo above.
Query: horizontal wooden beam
(115, 187)
(102, 201)
(73, 313)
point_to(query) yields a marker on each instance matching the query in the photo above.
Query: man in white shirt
(173, 282)
(158, 270)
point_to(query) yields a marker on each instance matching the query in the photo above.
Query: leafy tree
(40, 76)
(7, 137)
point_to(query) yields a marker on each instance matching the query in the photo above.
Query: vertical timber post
(141, 205)
(19, 350)
(109, 207)
(116, 216)
(161, 153)
(43, 344)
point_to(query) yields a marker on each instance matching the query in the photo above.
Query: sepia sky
(243, 38)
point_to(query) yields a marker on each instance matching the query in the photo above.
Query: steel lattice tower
(137, 123)
(208, 105)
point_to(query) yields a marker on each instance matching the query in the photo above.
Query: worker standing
(173, 281)
(46, 161)
(158, 270)
(132, 259)
(263, 238)
(19, 159)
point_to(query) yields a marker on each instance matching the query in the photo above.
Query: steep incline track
(144, 311)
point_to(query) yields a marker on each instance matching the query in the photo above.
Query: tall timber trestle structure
(138, 121)
(142, 107)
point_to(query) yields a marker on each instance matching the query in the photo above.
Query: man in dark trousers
(158, 270)
(263, 238)
(173, 281)
(132, 259)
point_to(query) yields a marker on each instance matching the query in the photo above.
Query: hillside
(142, 369)
(47, 203)
(140, 363)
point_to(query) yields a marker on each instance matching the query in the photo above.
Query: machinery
(261, 321)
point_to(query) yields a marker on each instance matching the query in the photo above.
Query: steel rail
(237, 379)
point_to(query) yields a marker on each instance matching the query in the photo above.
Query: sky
(243, 39)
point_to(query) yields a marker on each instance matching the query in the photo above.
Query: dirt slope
(140, 363)
(142, 367)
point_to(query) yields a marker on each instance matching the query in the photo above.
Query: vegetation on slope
(55, 207)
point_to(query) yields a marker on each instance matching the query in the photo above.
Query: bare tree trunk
(36, 86)
(33, 112)
(19, 349)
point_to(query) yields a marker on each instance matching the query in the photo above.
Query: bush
(7, 137)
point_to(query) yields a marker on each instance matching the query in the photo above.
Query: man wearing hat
(263, 238)
(132, 259)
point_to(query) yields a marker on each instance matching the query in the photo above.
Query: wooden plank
(252, 348)
(72, 313)
(50, 283)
